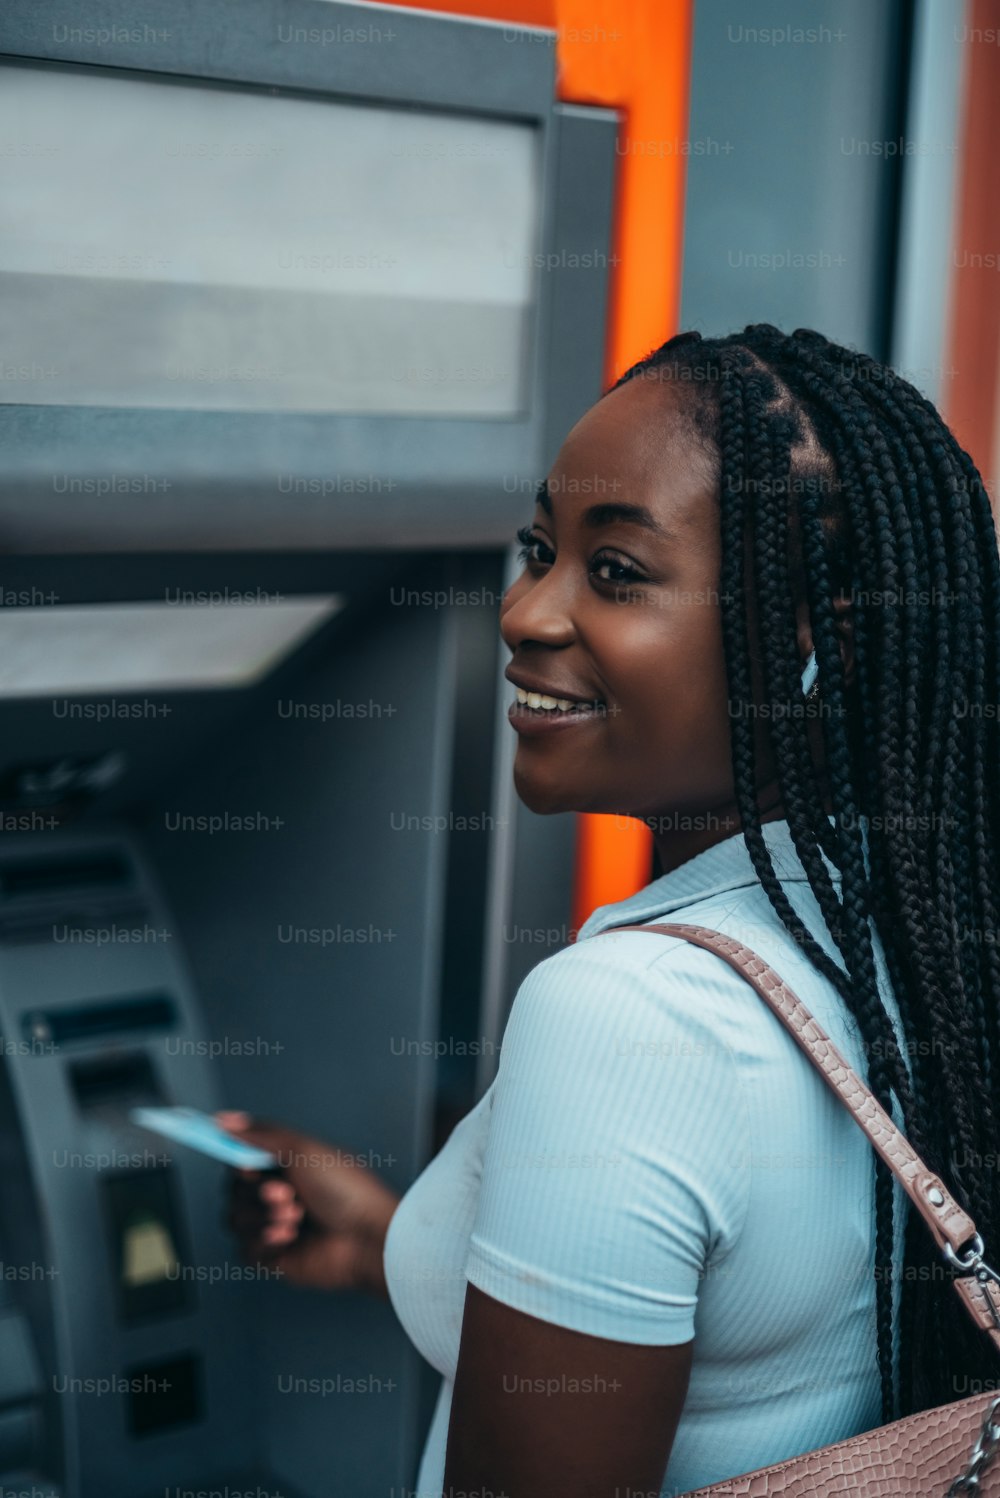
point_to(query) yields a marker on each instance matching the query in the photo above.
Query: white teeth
(536, 699)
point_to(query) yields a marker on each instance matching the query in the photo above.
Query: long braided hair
(836, 476)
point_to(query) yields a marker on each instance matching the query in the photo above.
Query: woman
(659, 1252)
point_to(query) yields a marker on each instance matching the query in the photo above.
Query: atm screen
(146, 1248)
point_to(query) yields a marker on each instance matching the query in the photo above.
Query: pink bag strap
(977, 1285)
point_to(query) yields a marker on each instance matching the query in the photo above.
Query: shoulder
(618, 1121)
(629, 1024)
(654, 983)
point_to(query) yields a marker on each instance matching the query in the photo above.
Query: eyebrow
(600, 515)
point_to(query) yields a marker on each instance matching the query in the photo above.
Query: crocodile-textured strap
(948, 1222)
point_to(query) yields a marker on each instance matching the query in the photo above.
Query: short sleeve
(615, 1167)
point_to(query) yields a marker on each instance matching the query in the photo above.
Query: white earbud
(809, 673)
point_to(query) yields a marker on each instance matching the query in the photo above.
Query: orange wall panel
(973, 399)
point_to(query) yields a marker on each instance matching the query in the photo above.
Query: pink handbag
(936, 1453)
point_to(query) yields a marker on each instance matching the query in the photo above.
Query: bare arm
(539, 1411)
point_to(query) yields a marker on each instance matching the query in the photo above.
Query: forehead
(638, 445)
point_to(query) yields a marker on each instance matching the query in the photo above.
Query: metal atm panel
(119, 1238)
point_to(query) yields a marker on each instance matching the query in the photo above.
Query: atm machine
(300, 300)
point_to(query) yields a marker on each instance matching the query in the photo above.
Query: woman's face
(648, 645)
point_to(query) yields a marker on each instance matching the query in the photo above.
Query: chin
(547, 793)
(545, 797)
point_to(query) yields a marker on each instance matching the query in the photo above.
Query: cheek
(671, 738)
(673, 726)
(665, 667)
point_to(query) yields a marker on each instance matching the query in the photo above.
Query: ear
(844, 614)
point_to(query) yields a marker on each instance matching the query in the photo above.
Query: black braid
(837, 477)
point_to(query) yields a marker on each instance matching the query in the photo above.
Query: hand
(322, 1223)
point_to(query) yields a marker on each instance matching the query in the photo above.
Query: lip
(529, 721)
(527, 685)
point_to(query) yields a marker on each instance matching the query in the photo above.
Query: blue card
(199, 1131)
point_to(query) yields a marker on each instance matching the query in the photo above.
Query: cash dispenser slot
(117, 1081)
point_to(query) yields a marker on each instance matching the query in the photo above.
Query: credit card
(199, 1131)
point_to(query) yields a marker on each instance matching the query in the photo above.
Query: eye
(626, 572)
(530, 540)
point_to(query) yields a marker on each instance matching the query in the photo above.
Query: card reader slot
(98, 1019)
(37, 876)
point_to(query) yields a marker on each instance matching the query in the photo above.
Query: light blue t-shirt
(655, 1161)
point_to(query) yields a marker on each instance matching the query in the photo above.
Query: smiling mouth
(556, 706)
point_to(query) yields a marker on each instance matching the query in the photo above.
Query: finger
(276, 1191)
(291, 1214)
(279, 1232)
(253, 1130)
(251, 1204)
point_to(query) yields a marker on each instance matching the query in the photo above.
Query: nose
(537, 609)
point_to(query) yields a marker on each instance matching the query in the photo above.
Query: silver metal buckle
(974, 1263)
(983, 1454)
(974, 1259)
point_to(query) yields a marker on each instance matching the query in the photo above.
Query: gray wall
(789, 159)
